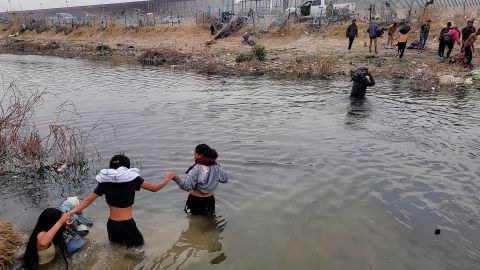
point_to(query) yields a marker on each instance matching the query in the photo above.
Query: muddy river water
(316, 181)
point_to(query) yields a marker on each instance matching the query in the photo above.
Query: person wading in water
(119, 184)
(201, 181)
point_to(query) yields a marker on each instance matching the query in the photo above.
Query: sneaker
(349, 51)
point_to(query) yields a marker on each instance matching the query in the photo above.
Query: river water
(315, 181)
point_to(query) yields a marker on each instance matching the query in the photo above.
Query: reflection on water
(203, 235)
(315, 180)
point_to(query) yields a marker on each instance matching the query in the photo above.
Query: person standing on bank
(468, 48)
(352, 33)
(442, 41)
(391, 31)
(373, 34)
(424, 31)
(201, 181)
(119, 184)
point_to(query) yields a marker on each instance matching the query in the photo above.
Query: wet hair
(395, 24)
(206, 151)
(45, 222)
(354, 20)
(449, 24)
(118, 161)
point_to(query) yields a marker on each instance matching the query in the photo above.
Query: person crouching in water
(119, 184)
(362, 79)
(468, 48)
(47, 237)
(201, 181)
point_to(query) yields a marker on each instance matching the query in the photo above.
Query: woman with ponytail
(46, 239)
(201, 181)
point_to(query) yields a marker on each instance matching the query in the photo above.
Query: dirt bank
(292, 51)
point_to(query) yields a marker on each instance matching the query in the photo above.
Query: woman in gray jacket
(201, 181)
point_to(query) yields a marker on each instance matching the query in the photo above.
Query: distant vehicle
(62, 19)
(314, 9)
(171, 19)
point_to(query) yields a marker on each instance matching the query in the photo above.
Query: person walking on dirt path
(373, 34)
(352, 33)
(441, 41)
(402, 43)
(391, 31)
(467, 31)
(468, 48)
(424, 31)
(451, 37)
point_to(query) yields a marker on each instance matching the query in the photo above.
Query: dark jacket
(352, 31)
(359, 88)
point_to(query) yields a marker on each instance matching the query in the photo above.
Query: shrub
(243, 57)
(259, 52)
(103, 47)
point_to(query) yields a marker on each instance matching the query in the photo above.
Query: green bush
(103, 47)
(243, 57)
(259, 52)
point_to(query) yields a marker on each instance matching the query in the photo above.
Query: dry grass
(10, 241)
(325, 64)
(289, 30)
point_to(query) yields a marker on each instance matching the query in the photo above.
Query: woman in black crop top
(119, 184)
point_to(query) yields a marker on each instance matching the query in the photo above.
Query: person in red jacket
(452, 37)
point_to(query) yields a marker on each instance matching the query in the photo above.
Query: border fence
(263, 12)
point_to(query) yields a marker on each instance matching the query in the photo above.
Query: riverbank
(293, 52)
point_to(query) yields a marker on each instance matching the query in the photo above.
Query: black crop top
(121, 195)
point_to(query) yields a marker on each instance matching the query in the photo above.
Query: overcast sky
(35, 4)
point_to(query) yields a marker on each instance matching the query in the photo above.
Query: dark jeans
(468, 54)
(350, 42)
(401, 48)
(200, 205)
(124, 232)
(441, 48)
(450, 47)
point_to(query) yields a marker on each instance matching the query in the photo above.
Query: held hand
(171, 175)
(66, 218)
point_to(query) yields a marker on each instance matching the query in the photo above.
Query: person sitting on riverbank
(441, 41)
(47, 237)
(362, 79)
(468, 48)
(119, 184)
(201, 181)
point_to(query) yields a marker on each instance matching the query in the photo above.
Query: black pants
(441, 48)
(124, 232)
(200, 205)
(401, 48)
(350, 42)
(468, 54)
(449, 45)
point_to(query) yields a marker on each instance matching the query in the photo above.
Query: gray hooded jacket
(202, 178)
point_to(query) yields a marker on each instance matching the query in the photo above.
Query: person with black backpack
(441, 40)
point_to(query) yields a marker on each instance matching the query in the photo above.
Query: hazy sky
(35, 4)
